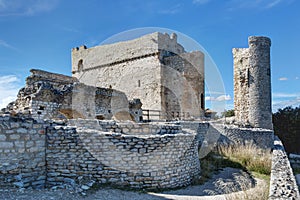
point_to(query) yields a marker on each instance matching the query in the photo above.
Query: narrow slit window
(80, 65)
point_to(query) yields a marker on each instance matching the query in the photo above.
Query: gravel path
(227, 181)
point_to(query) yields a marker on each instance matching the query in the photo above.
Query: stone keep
(153, 68)
(252, 83)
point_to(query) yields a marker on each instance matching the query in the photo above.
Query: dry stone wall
(38, 154)
(22, 152)
(143, 161)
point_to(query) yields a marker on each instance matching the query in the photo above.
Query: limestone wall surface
(22, 152)
(183, 85)
(262, 138)
(128, 128)
(122, 52)
(37, 154)
(139, 78)
(260, 110)
(282, 184)
(153, 161)
(241, 83)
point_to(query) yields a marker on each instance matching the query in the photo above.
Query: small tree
(286, 124)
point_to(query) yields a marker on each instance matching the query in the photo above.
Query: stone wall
(214, 133)
(49, 154)
(22, 152)
(137, 160)
(127, 128)
(122, 52)
(55, 96)
(283, 184)
(262, 138)
(136, 78)
(241, 83)
(183, 85)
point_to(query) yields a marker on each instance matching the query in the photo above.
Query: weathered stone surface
(252, 83)
(282, 184)
(19, 165)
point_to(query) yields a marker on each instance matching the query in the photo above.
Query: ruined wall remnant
(55, 96)
(252, 83)
(154, 68)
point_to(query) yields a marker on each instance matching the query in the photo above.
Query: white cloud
(273, 3)
(283, 79)
(282, 100)
(201, 2)
(172, 10)
(223, 98)
(260, 4)
(285, 95)
(282, 104)
(208, 98)
(9, 87)
(6, 45)
(26, 8)
(219, 98)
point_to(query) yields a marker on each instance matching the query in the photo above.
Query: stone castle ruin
(130, 115)
(55, 96)
(252, 83)
(153, 68)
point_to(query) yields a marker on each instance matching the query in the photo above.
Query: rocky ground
(229, 180)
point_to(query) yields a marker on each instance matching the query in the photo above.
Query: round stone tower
(259, 76)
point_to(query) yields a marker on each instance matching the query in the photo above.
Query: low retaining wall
(283, 184)
(129, 127)
(262, 138)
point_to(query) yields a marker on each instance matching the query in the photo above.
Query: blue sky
(41, 33)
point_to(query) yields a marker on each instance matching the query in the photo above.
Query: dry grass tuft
(249, 156)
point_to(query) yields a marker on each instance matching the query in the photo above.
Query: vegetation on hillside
(286, 124)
